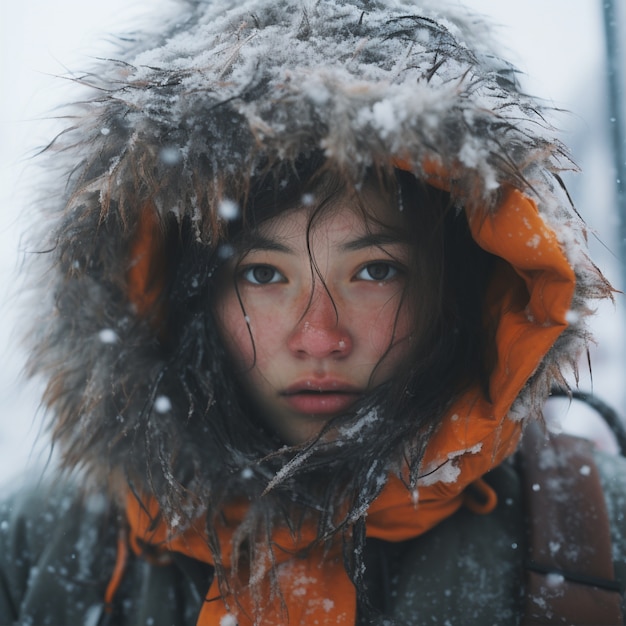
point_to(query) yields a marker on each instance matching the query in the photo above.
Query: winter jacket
(57, 554)
(197, 116)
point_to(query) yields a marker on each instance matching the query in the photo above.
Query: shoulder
(42, 513)
(58, 552)
(55, 542)
(472, 568)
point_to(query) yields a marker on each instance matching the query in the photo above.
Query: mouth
(326, 397)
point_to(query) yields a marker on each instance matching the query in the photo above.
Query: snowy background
(557, 44)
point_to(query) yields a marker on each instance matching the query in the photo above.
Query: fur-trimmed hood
(176, 130)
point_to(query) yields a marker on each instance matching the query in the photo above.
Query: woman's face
(315, 320)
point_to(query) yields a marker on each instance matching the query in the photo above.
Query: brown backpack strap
(570, 578)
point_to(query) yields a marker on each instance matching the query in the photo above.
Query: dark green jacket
(57, 554)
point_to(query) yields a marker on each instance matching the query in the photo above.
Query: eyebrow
(374, 240)
(257, 241)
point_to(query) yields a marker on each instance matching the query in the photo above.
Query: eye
(378, 271)
(262, 275)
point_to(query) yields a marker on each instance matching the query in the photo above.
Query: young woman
(311, 272)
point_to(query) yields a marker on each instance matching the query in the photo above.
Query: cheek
(251, 337)
(389, 341)
(388, 326)
(234, 329)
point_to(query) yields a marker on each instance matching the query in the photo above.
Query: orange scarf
(314, 589)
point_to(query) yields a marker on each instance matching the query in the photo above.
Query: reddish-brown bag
(569, 568)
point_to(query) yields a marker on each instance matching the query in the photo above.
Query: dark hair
(452, 352)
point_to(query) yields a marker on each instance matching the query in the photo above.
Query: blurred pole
(615, 34)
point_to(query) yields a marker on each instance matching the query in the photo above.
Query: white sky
(558, 43)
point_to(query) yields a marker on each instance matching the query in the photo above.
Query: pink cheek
(270, 337)
(256, 342)
(379, 339)
(379, 324)
(386, 327)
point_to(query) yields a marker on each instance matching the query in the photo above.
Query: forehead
(347, 212)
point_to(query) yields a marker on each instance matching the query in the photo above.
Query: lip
(327, 396)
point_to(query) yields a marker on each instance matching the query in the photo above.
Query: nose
(319, 332)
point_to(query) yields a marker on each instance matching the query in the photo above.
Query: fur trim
(188, 124)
